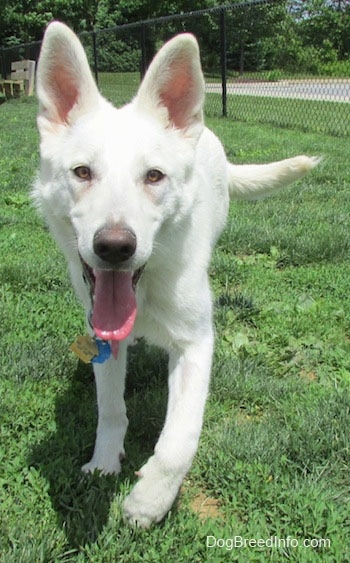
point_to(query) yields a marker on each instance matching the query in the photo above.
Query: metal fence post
(143, 51)
(94, 48)
(2, 62)
(223, 60)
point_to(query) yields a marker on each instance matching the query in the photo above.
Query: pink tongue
(114, 309)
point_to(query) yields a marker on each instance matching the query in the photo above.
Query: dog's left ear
(173, 88)
(65, 86)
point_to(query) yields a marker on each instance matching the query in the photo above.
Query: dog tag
(104, 351)
(85, 348)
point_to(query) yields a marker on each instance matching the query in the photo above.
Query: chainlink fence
(255, 69)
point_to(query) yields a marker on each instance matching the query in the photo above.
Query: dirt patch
(206, 507)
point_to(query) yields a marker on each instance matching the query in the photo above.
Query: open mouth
(113, 302)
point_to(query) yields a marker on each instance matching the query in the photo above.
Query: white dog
(136, 199)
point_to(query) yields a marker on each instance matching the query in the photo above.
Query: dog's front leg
(112, 419)
(161, 477)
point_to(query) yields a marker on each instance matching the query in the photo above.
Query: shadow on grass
(82, 502)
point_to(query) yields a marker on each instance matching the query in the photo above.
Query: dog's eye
(154, 176)
(83, 172)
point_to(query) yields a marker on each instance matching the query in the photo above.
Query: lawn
(272, 470)
(306, 115)
(318, 116)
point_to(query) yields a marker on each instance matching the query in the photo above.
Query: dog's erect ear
(173, 88)
(65, 86)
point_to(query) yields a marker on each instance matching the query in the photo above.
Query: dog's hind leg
(161, 477)
(112, 419)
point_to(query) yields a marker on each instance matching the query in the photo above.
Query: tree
(24, 20)
(324, 24)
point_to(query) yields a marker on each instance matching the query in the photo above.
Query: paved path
(337, 90)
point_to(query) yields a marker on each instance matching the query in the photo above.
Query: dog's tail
(254, 181)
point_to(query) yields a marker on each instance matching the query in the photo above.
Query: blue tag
(104, 352)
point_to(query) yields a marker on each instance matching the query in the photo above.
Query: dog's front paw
(108, 452)
(153, 495)
(104, 469)
(106, 465)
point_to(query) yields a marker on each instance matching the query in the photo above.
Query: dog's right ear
(65, 86)
(173, 88)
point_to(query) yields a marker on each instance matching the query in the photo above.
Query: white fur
(176, 222)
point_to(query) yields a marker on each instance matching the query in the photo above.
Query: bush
(339, 69)
(274, 75)
(117, 55)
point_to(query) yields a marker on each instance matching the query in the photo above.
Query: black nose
(114, 244)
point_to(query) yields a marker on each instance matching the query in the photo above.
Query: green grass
(332, 118)
(119, 87)
(336, 69)
(274, 453)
